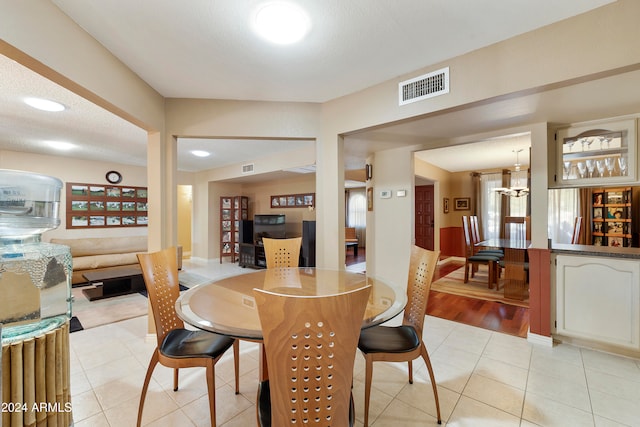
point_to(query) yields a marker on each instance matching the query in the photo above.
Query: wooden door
(424, 215)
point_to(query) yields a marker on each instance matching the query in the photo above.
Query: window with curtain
(518, 205)
(564, 206)
(490, 204)
(357, 210)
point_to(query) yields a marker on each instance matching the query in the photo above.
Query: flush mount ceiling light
(281, 22)
(200, 153)
(44, 104)
(60, 145)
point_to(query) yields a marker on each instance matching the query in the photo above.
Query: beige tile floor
(484, 379)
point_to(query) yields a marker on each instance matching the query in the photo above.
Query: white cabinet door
(598, 298)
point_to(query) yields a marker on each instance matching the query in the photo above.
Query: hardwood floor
(351, 259)
(491, 315)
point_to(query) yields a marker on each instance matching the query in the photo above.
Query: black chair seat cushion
(264, 406)
(388, 339)
(494, 252)
(483, 258)
(183, 343)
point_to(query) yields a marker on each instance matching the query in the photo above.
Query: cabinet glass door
(603, 155)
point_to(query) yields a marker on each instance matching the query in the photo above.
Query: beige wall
(525, 64)
(73, 170)
(185, 211)
(260, 200)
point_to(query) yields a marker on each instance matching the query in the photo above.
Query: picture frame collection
(106, 206)
(303, 200)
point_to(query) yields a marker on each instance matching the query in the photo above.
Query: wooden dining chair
(577, 229)
(475, 238)
(310, 345)
(282, 252)
(179, 347)
(403, 343)
(472, 259)
(517, 227)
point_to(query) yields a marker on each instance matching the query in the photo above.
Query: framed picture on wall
(370, 198)
(462, 203)
(445, 205)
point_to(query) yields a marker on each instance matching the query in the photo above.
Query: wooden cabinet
(611, 217)
(596, 153)
(233, 209)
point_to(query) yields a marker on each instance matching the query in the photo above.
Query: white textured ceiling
(206, 49)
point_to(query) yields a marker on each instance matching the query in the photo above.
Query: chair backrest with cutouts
(282, 252)
(422, 266)
(160, 272)
(310, 345)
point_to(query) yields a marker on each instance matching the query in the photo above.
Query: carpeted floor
(476, 287)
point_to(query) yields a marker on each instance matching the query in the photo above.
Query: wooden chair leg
(175, 379)
(152, 365)
(427, 361)
(236, 363)
(466, 272)
(211, 385)
(367, 387)
(410, 371)
(490, 273)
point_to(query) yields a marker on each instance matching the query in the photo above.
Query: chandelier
(515, 190)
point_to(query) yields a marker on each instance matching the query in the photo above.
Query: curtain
(357, 215)
(476, 200)
(564, 206)
(490, 205)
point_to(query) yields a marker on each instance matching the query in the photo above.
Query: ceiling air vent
(426, 86)
(247, 168)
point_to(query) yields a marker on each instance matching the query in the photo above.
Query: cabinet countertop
(589, 250)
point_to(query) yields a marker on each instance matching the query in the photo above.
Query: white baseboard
(539, 339)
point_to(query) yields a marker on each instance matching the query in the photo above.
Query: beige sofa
(99, 253)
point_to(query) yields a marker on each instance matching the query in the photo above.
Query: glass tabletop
(226, 306)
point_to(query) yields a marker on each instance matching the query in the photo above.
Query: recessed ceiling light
(281, 22)
(200, 153)
(60, 145)
(44, 104)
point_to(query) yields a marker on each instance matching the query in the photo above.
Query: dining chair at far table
(179, 347)
(475, 238)
(282, 252)
(473, 259)
(577, 229)
(310, 344)
(517, 227)
(403, 343)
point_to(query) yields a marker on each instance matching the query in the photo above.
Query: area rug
(115, 309)
(476, 287)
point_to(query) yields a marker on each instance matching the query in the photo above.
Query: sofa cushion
(104, 245)
(107, 260)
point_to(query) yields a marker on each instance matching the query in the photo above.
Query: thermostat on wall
(385, 194)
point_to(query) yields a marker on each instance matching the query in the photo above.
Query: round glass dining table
(226, 306)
